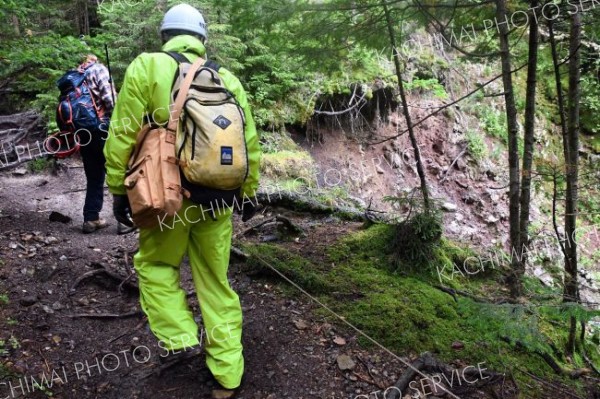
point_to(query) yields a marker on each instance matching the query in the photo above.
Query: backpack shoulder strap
(179, 58)
(183, 90)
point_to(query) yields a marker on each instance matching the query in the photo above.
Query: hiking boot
(122, 228)
(92, 225)
(223, 393)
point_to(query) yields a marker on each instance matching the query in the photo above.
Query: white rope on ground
(283, 276)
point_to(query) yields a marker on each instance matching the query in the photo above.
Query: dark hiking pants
(92, 154)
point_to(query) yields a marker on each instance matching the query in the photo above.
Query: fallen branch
(300, 203)
(291, 226)
(80, 190)
(252, 228)
(460, 154)
(410, 374)
(454, 292)
(427, 362)
(589, 363)
(140, 325)
(107, 315)
(374, 380)
(239, 253)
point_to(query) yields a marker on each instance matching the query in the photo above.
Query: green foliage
(416, 238)
(590, 104)
(476, 145)
(39, 164)
(288, 165)
(4, 299)
(425, 85)
(34, 64)
(564, 311)
(356, 281)
(493, 121)
(297, 269)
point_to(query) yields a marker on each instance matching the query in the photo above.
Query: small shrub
(39, 165)
(426, 85)
(416, 238)
(476, 145)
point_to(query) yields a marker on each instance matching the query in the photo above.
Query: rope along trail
(280, 274)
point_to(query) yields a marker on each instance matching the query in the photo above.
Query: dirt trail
(289, 351)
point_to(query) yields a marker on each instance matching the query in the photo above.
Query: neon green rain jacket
(146, 91)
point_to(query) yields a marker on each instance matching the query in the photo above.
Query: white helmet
(184, 17)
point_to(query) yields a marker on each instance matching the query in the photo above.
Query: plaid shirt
(98, 81)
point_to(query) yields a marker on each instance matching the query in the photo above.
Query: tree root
(411, 373)
(550, 384)
(557, 368)
(287, 223)
(428, 363)
(124, 282)
(300, 203)
(140, 325)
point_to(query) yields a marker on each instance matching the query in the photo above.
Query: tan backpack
(211, 142)
(152, 180)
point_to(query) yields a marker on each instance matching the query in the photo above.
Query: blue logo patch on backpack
(76, 108)
(226, 156)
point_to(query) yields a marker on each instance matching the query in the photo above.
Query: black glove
(248, 211)
(122, 210)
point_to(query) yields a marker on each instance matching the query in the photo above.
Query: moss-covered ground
(401, 308)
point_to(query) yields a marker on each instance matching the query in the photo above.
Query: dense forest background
(501, 94)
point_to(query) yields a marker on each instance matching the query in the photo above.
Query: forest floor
(51, 328)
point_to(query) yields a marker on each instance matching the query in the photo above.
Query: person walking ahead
(206, 239)
(98, 81)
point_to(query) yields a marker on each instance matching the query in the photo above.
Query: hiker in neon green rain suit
(146, 90)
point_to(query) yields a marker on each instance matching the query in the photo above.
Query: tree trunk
(405, 110)
(162, 6)
(517, 266)
(563, 126)
(15, 21)
(571, 147)
(529, 138)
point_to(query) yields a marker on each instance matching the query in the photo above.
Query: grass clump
(39, 165)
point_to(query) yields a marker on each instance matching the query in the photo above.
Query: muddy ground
(51, 328)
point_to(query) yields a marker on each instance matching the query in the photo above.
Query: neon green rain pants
(207, 243)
